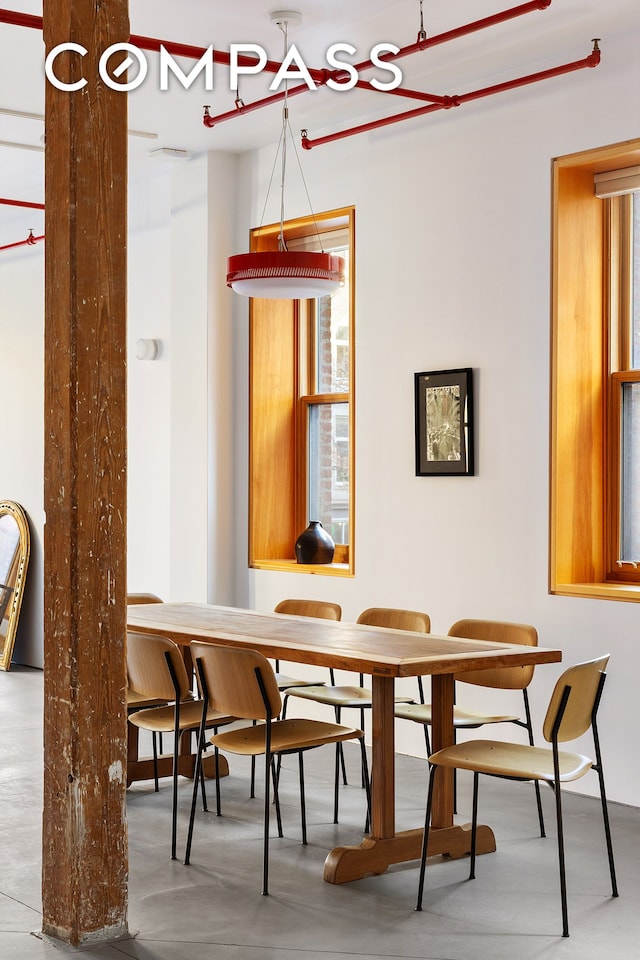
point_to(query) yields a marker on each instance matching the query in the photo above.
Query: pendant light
(285, 274)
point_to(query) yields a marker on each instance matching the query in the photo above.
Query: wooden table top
(340, 644)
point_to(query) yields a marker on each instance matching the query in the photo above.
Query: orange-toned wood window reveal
(595, 390)
(301, 406)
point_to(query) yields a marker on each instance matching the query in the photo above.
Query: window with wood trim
(301, 406)
(595, 439)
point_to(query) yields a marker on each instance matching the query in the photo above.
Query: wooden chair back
(497, 631)
(396, 619)
(148, 667)
(310, 608)
(143, 598)
(583, 679)
(229, 677)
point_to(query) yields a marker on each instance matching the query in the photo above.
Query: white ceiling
(536, 41)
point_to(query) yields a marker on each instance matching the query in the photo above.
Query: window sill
(599, 591)
(291, 566)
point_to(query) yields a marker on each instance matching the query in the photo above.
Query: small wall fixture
(147, 349)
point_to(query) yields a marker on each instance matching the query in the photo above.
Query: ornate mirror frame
(14, 560)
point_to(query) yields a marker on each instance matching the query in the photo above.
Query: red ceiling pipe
(426, 43)
(420, 45)
(150, 43)
(210, 121)
(591, 61)
(22, 203)
(21, 19)
(319, 76)
(30, 242)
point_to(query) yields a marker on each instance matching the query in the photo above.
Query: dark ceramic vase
(315, 545)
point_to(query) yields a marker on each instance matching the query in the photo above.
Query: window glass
(328, 471)
(635, 292)
(332, 335)
(630, 480)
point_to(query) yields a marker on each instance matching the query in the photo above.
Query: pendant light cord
(282, 152)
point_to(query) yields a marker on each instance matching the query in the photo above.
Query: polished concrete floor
(213, 909)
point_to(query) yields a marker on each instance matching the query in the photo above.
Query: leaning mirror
(14, 559)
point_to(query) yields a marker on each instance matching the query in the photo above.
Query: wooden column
(84, 866)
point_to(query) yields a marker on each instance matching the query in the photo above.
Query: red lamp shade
(285, 274)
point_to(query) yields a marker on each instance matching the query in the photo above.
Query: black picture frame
(444, 423)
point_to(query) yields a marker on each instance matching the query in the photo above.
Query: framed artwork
(444, 423)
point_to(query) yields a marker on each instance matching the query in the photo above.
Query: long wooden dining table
(384, 655)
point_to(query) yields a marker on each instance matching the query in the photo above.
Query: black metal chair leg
(216, 760)
(268, 762)
(474, 828)
(174, 807)
(340, 750)
(603, 799)
(303, 810)
(561, 865)
(155, 762)
(194, 799)
(203, 789)
(425, 837)
(336, 785)
(367, 783)
(276, 796)
(427, 741)
(529, 726)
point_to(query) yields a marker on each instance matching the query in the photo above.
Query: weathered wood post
(84, 869)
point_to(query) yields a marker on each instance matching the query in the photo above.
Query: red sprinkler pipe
(591, 61)
(152, 44)
(30, 241)
(319, 76)
(420, 45)
(22, 203)
(241, 108)
(427, 42)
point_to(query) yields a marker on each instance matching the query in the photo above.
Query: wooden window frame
(585, 375)
(281, 383)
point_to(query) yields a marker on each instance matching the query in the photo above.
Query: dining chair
(136, 701)
(157, 670)
(359, 697)
(323, 609)
(242, 682)
(304, 608)
(503, 678)
(572, 711)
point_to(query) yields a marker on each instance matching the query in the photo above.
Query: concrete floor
(213, 909)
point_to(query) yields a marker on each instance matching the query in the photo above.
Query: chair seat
(511, 760)
(135, 700)
(338, 696)
(286, 735)
(161, 719)
(421, 713)
(285, 682)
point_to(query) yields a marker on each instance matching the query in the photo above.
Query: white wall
(453, 230)
(22, 391)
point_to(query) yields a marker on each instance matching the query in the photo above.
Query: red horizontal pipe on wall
(22, 203)
(29, 242)
(455, 101)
